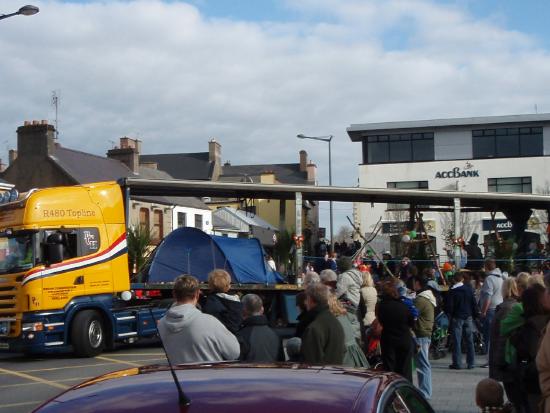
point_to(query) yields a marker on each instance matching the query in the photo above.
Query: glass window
(158, 226)
(408, 185)
(512, 184)
(378, 152)
(198, 221)
(507, 142)
(89, 241)
(403, 147)
(182, 219)
(413, 400)
(144, 222)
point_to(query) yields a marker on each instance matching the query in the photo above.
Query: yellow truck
(64, 277)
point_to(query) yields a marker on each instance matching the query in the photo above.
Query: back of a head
(328, 276)
(533, 300)
(509, 288)
(389, 289)
(293, 347)
(318, 293)
(219, 281)
(311, 277)
(421, 280)
(489, 393)
(522, 281)
(252, 304)
(345, 263)
(185, 288)
(458, 277)
(367, 279)
(490, 264)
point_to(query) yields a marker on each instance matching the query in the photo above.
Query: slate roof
(183, 165)
(288, 173)
(86, 168)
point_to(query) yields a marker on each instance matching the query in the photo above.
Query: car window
(414, 400)
(395, 405)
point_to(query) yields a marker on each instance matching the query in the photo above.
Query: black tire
(88, 334)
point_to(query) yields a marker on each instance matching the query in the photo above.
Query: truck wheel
(88, 334)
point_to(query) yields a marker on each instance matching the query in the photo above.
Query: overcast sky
(253, 74)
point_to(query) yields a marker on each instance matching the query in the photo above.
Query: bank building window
(403, 147)
(507, 142)
(408, 185)
(516, 184)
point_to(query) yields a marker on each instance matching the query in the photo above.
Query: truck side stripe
(118, 248)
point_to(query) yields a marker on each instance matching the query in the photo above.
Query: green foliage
(138, 239)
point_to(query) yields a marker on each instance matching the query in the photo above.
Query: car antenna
(183, 399)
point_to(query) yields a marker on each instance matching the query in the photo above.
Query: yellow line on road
(5, 406)
(110, 361)
(135, 354)
(126, 363)
(33, 378)
(5, 386)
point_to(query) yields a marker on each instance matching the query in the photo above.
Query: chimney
(303, 161)
(312, 173)
(35, 139)
(12, 156)
(215, 156)
(2, 166)
(128, 153)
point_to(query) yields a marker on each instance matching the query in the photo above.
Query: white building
(482, 154)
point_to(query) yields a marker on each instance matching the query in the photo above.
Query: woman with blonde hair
(353, 355)
(225, 307)
(497, 363)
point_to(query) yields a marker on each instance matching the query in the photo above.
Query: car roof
(224, 387)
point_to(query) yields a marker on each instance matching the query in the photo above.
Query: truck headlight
(33, 326)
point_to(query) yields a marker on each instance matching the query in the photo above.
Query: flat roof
(354, 130)
(482, 201)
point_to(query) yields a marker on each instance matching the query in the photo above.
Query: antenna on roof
(55, 104)
(183, 399)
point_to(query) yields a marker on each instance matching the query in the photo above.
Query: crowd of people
(349, 317)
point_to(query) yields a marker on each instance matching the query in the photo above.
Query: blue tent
(191, 251)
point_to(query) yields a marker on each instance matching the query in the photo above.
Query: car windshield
(16, 252)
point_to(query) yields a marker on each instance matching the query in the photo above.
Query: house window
(198, 221)
(182, 219)
(144, 222)
(518, 184)
(403, 147)
(507, 142)
(408, 185)
(158, 230)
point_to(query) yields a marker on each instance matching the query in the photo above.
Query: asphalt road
(26, 382)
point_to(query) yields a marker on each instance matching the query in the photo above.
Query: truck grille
(9, 289)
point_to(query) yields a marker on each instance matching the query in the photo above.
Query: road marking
(111, 361)
(33, 378)
(126, 363)
(5, 406)
(135, 354)
(5, 386)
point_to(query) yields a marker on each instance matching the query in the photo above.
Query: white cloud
(173, 77)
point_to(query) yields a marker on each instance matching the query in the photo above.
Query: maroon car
(243, 388)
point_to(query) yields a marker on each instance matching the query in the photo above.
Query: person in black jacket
(259, 343)
(396, 341)
(323, 341)
(473, 254)
(461, 308)
(225, 307)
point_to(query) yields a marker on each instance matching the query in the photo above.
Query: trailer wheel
(88, 334)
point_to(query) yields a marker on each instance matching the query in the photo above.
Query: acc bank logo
(456, 172)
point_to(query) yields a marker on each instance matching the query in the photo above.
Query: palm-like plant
(138, 239)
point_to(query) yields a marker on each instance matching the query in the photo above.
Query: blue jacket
(461, 303)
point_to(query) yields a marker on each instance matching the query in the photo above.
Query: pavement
(26, 382)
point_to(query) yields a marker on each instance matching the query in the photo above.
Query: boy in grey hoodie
(190, 336)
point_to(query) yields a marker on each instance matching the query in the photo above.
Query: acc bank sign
(456, 172)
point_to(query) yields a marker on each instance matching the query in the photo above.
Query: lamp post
(27, 10)
(325, 139)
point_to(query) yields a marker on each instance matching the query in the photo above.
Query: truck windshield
(16, 252)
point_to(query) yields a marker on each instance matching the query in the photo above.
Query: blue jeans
(459, 328)
(423, 367)
(486, 329)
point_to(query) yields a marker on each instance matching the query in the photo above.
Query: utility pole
(55, 104)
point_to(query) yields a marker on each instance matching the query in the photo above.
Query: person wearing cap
(474, 254)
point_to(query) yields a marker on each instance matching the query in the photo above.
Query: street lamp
(24, 11)
(325, 139)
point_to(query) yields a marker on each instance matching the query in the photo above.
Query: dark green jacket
(425, 304)
(323, 340)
